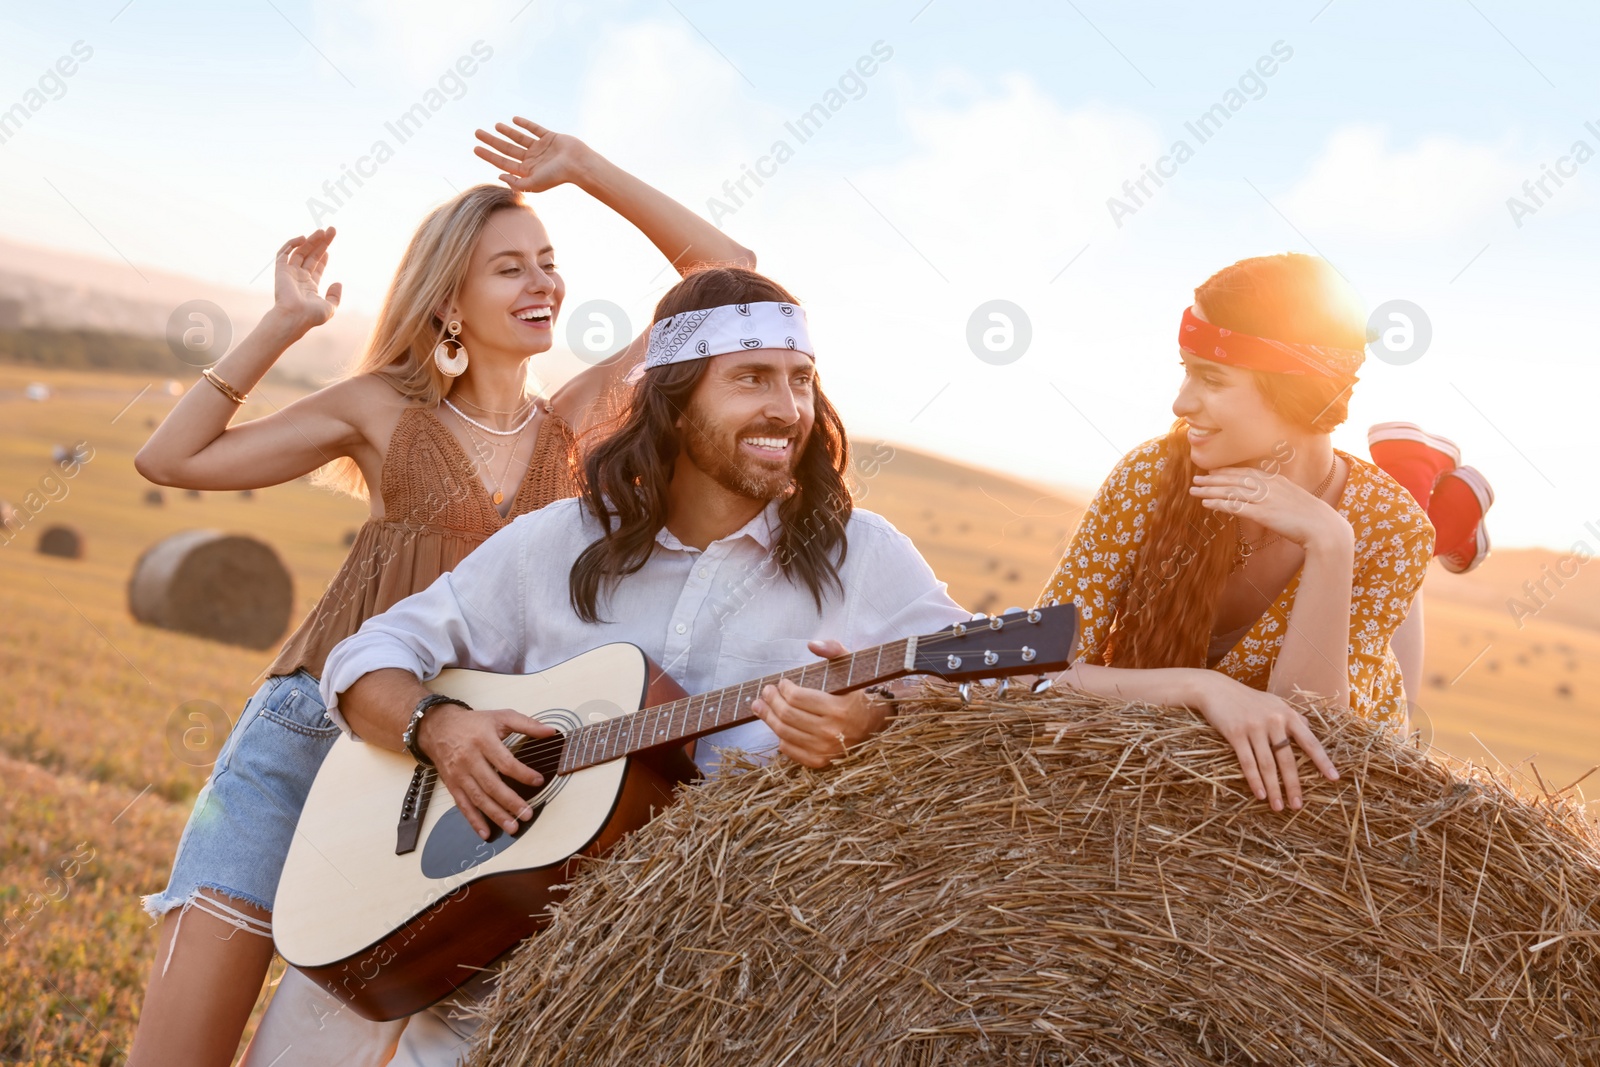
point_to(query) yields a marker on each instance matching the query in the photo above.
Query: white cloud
(1010, 182)
(411, 42)
(656, 91)
(1359, 185)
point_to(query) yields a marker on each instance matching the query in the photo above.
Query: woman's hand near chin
(1276, 503)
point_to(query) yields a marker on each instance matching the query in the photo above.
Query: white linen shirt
(710, 618)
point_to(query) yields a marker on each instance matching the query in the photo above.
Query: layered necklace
(1247, 548)
(515, 433)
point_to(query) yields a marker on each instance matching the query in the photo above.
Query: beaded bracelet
(409, 738)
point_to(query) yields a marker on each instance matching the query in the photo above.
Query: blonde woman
(437, 415)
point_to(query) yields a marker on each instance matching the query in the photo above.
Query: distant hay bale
(154, 497)
(1061, 879)
(349, 537)
(228, 587)
(70, 455)
(63, 541)
(192, 494)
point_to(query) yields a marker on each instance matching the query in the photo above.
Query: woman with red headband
(1241, 560)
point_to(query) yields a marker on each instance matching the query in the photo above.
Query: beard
(714, 449)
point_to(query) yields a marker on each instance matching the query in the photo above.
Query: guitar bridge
(413, 810)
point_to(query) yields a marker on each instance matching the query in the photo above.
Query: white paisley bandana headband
(720, 330)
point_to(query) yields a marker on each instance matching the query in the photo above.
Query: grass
(91, 731)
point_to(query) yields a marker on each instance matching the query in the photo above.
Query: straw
(1064, 879)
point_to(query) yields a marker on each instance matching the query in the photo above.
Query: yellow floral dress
(1393, 544)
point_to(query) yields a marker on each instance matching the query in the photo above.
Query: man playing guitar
(714, 530)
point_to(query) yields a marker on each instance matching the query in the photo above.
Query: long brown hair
(1178, 575)
(624, 476)
(431, 273)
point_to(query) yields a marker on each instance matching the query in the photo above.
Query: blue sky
(974, 164)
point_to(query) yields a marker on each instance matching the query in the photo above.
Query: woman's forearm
(683, 237)
(203, 413)
(1315, 656)
(1168, 686)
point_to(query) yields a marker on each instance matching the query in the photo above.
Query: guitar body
(392, 934)
(392, 913)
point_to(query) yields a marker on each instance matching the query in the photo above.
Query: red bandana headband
(1196, 337)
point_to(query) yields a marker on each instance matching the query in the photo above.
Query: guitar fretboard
(690, 717)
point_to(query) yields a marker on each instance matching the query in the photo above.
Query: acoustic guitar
(391, 901)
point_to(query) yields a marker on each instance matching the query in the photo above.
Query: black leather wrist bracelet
(409, 738)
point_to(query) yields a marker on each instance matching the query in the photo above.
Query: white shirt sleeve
(896, 594)
(470, 617)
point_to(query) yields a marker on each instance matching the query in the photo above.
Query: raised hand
(297, 277)
(530, 157)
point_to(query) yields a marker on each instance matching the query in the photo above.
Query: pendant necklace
(517, 429)
(497, 495)
(1246, 549)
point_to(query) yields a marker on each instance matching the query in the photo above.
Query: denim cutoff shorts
(237, 836)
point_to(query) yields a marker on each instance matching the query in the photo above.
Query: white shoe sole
(1480, 552)
(1410, 431)
(1475, 481)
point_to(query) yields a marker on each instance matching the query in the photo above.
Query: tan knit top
(436, 510)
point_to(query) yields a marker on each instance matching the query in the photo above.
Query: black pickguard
(454, 846)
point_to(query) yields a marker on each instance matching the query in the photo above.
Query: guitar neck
(685, 719)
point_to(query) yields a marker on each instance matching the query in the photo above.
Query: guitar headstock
(1035, 641)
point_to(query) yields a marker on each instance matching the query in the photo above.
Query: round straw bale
(61, 540)
(155, 497)
(228, 587)
(1067, 880)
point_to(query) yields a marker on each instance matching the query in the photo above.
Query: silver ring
(1285, 743)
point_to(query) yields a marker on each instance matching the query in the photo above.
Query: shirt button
(682, 628)
(703, 573)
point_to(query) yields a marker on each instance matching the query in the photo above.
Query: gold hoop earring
(450, 355)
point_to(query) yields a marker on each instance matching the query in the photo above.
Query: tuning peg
(965, 689)
(1042, 684)
(1003, 688)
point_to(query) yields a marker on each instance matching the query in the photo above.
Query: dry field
(100, 755)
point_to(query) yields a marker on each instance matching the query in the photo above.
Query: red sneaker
(1412, 456)
(1460, 499)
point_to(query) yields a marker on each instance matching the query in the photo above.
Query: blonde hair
(432, 271)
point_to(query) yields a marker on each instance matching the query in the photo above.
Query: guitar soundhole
(454, 846)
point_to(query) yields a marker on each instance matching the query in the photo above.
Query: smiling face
(1231, 423)
(512, 292)
(749, 420)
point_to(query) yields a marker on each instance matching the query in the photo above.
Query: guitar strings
(535, 747)
(532, 748)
